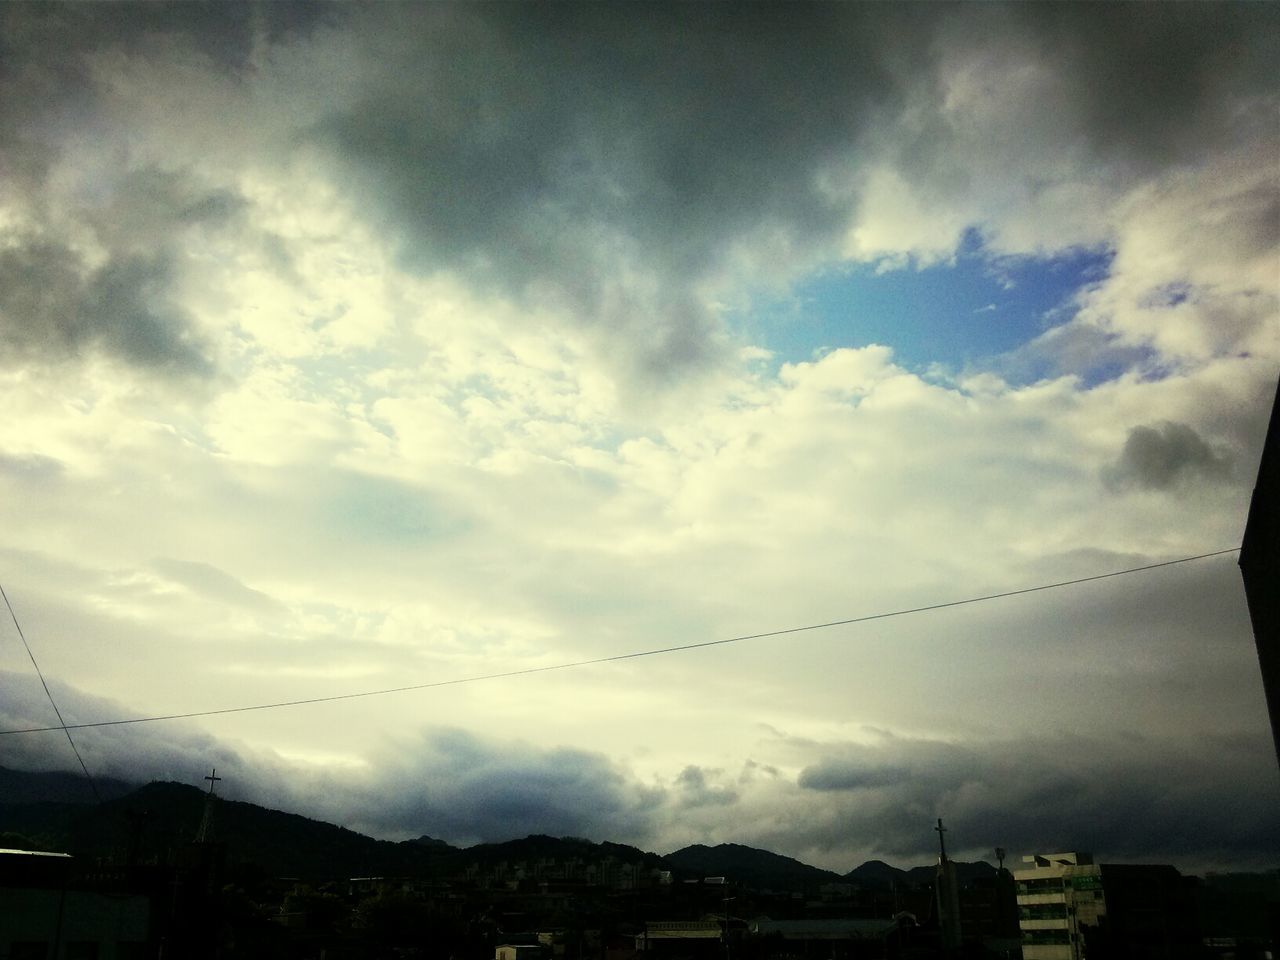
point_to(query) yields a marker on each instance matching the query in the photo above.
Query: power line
(49, 693)
(634, 655)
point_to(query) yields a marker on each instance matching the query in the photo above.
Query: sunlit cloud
(351, 348)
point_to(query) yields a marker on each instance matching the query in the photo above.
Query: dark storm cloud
(53, 308)
(610, 160)
(696, 791)
(557, 152)
(1124, 796)
(56, 36)
(1156, 79)
(445, 782)
(455, 785)
(605, 159)
(1165, 456)
(1139, 88)
(135, 754)
(1144, 85)
(147, 210)
(46, 73)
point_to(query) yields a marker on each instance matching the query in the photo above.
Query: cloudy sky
(355, 347)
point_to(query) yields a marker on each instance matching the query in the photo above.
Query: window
(1042, 911)
(1045, 936)
(1041, 885)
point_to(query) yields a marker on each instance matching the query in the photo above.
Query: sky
(345, 348)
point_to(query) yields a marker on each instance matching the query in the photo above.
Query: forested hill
(749, 866)
(53, 811)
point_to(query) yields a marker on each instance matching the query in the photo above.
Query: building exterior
(47, 910)
(683, 939)
(1069, 908)
(1260, 565)
(989, 906)
(1058, 894)
(518, 951)
(831, 939)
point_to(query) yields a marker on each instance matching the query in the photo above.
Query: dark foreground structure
(1260, 567)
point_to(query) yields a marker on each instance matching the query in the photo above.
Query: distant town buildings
(841, 937)
(543, 898)
(518, 951)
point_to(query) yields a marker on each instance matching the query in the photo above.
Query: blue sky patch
(956, 314)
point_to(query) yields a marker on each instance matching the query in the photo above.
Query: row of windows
(1085, 881)
(1045, 936)
(1043, 911)
(1042, 885)
(1082, 884)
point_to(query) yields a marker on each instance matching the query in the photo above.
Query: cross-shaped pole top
(942, 842)
(214, 778)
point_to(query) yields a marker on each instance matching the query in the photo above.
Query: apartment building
(1059, 895)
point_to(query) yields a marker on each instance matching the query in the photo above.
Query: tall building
(1058, 894)
(1070, 908)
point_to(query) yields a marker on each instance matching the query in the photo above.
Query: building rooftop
(1059, 859)
(817, 929)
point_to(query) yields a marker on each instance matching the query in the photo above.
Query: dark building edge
(1260, 568)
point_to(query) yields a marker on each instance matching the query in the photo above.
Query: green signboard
(1085, 881)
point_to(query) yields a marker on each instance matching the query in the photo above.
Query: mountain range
(55, 811)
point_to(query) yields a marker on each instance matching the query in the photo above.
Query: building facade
(1059, 895)
(1071, 908)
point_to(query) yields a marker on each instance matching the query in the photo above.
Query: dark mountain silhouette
(879, 873)
(540, 846)
(875, 872)
(749, 866)
(965, 872)
(50, 811)
(425, 841)
(160, 818)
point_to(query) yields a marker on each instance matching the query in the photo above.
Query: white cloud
(434, 435)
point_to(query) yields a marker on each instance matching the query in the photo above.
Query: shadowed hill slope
(749, 866)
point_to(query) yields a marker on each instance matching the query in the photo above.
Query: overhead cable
(62, 724)
(634, 655)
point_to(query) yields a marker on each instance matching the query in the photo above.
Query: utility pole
(726, 919)
(727, 898)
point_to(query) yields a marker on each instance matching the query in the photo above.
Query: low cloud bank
(1197, 804)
